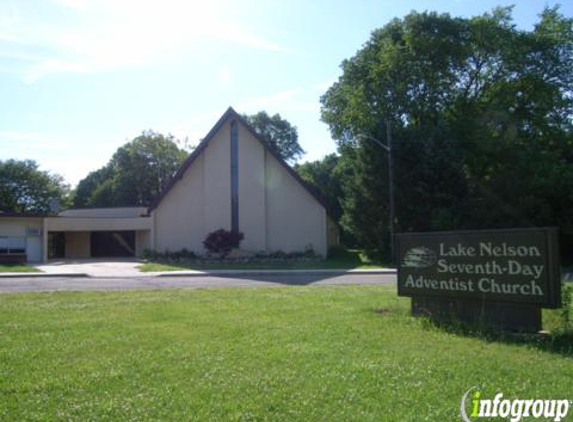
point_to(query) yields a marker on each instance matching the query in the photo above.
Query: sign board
(513, 265)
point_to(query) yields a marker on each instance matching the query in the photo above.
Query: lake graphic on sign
(420, 257)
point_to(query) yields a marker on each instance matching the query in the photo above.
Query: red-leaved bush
(222, 241)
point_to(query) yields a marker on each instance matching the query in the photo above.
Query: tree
(24, 188)
(480, 113)
(87, 186)
(135, 175)
(326, 178)
(281, 136)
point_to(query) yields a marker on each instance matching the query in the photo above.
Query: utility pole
(392, 210)
(391, 203)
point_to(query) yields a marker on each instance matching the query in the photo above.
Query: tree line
(480, 114)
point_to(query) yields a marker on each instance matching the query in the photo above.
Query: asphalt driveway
(48, 284)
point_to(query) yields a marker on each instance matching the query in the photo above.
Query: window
(33, 231)
(12, 245)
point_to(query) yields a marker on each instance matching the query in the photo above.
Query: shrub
(182, 254)
(149, 255)
(337, 252)
(167, 256)
(307, 254)
(222, 241)
(566, 302)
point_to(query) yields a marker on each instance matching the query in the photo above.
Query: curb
(238, 272)
(209, 273)
(41, 275)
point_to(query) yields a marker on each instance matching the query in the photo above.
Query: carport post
(45, 240)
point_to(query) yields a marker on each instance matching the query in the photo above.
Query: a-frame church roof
(229, 115)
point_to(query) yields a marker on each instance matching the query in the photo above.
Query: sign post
(501, 278)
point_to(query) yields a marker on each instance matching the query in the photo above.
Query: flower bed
(185, 257)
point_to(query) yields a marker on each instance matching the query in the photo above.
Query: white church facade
(232, 180)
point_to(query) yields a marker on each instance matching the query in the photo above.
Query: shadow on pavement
(292, 279)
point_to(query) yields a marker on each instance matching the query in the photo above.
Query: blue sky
(79, 78)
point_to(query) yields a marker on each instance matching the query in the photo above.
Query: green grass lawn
(274, 354)
(351, 259)
(17, 268)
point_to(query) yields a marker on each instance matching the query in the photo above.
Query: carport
(80, 234)
(113, 244)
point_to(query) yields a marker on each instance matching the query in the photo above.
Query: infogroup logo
(515, 409)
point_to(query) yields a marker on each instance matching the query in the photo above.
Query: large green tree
(281, 136)
(325, 176)
(480, 115)
(136, 173)
(24, 188)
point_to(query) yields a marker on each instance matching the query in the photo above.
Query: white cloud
(75, 4)
(277, 99)
(52, 152)
(235, 34)
(52, 65)
(322, 87)
(109, 34)
(7, 136)
(224, 76)
(297, 99)
(22, 142)
(8, 13)
(304, 99)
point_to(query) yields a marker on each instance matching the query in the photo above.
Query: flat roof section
(114, 212)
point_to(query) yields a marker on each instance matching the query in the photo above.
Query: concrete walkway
(93, 267)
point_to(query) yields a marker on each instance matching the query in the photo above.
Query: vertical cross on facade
(234, 176)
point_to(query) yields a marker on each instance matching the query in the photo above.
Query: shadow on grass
(557, 336)
(559, 340)
(355, 258)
